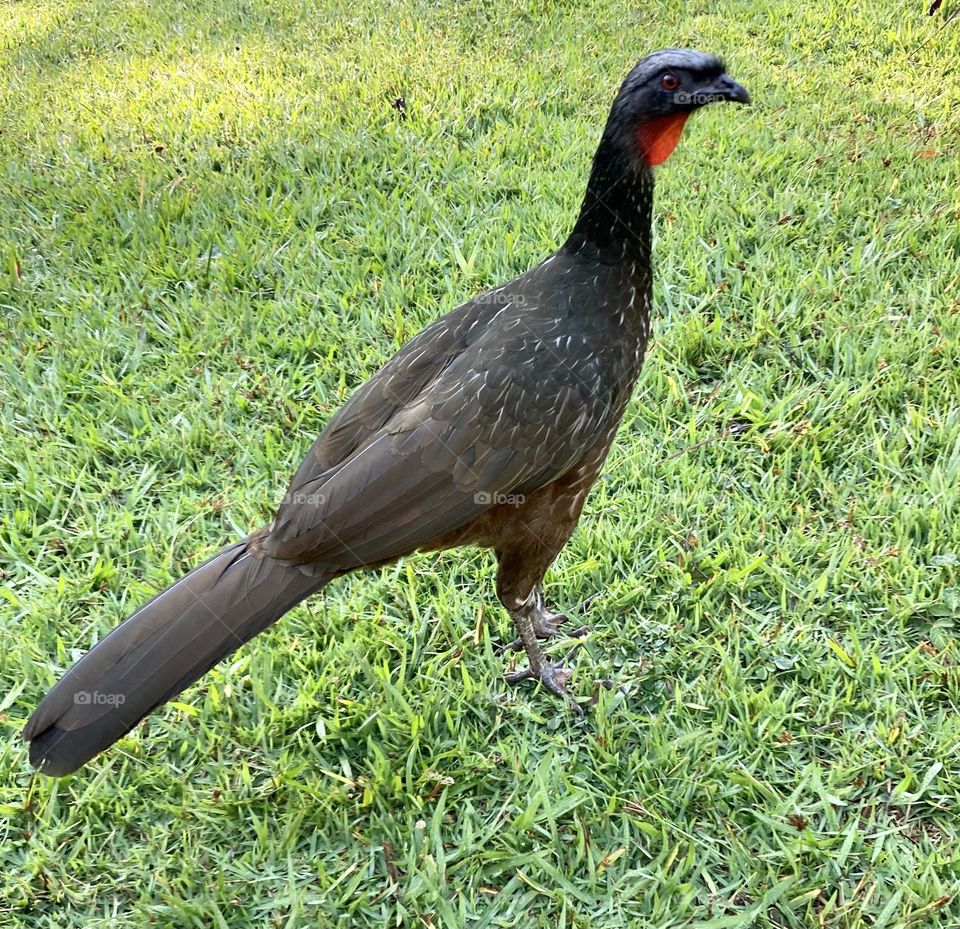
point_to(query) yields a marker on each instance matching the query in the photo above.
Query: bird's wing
(404, 377)
(507, 413)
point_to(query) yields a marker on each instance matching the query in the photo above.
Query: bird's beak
(721, 89)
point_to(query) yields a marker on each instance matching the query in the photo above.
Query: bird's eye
(669, 81)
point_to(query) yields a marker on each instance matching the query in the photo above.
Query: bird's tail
(163, 648)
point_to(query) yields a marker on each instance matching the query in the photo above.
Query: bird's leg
(518, 587)
(553, 675)
(546, 625)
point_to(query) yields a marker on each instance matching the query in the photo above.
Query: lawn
(214, 225)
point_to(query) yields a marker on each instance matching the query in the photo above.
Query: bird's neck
(615, 218)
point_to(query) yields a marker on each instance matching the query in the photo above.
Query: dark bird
(486, 429)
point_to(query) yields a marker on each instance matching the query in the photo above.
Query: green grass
(213, 226)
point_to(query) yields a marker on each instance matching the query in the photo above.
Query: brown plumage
(488, 429)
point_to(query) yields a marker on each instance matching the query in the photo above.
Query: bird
(487, 429)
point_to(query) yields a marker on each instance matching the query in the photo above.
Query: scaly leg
(518, 587)
(546, 625)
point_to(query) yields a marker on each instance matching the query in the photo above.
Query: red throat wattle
(657, 138)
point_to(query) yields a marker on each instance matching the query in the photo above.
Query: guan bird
(486, 429)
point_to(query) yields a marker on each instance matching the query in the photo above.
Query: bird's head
(659, 94)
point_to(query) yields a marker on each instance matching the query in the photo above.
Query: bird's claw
(548, 625)
(553, 675)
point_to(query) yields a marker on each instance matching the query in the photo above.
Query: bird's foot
(547, 626)
(552, 674)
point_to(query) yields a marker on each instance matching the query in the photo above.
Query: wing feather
(467, 412)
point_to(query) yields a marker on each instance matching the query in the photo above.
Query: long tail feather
(161, 649)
